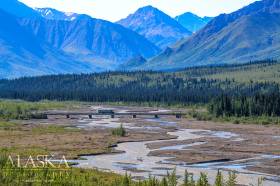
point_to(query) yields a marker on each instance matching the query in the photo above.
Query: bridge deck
(115, 113)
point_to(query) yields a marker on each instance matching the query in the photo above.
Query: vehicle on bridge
(106, 111)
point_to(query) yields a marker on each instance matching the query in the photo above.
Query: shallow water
(163, 123)
(135, 159)
(136, 155)
(108, 122)
(180, 147)
(219, 134)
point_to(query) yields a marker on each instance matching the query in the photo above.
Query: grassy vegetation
(6, 125)
(248, 73)
(155, 104)
(120, 131)
(33, 139)
(260, 120)
(17, 109)
(53, 129)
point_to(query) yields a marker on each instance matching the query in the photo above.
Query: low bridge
(112, 115)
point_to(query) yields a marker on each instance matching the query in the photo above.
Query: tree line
(127, 87)
(257, 105)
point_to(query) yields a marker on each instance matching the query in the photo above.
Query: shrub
(120, 131)
(236, 121)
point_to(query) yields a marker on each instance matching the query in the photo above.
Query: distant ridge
(156, 26)
(91, 39)
(192, 22)
(50, 13)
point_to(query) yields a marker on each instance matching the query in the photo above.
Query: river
(136, 161)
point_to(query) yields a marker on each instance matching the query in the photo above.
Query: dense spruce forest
(257, 105)
(128, 87)
(190, 86)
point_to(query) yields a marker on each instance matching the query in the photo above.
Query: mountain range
(249, 34)
(47, 41)
(32, 45)
(156, 26)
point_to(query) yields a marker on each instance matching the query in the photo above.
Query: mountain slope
(156, 26)
(192, 22)
(22, 54)
(251, 33)
(91, 39)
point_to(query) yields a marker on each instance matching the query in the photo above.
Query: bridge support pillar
(45, 116)
(90, 116)
(67, 116)
(134, 116)
(113, 116)
(156, 116)
(178, 116)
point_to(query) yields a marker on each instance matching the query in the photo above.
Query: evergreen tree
(172, 178)
(231, 179)
(188, 180)
(219, 179)
(203, 180)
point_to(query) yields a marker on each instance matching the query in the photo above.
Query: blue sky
(114, 10)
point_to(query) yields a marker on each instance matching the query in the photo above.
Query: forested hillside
(193, 85)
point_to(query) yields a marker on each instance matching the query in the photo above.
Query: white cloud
(114, 10)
